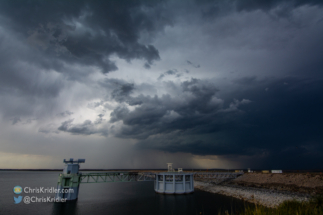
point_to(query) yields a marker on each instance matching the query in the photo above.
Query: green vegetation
(312, 207)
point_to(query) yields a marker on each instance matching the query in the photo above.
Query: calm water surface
(109, 198)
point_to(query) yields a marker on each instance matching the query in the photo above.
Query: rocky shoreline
(259, 196)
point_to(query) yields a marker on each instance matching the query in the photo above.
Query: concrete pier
(69, 181)
(174, 183)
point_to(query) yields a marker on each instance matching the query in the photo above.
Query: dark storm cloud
(286, 115)
(65, 113)
(76, 129)
(273, 126)
(186, 109)
(267, 5)
(161, 77)
(212, 8)
(120, 89)
(285, 121)
(20, 72)
(168, 72)
(85, 128)
(51, 51)
(87, 32)
(171, 72)
(118, 113)
(250, 80)
(280, 124)
(99, 120)
(193, 65)
(45, 45)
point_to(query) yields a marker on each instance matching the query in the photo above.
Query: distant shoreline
(31, 169)
(84, 170)
(185, 170)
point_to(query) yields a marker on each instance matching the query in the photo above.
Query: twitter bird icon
(17, 200)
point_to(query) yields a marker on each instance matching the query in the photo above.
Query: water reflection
(69, 207)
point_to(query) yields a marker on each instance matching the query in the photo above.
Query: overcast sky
(138, 84)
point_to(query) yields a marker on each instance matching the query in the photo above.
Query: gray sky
(137, 84)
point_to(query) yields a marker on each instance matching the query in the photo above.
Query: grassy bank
(312, 207)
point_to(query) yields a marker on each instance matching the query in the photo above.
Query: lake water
(109, 198)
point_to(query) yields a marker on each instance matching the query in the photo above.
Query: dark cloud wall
(282, 124)
(40, 35)
(259, 105)
(248, 5)
(267, 5)
(88, 32)
(279, 119)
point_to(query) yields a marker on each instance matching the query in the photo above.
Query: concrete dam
(170, 182)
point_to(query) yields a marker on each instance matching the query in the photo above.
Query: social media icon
(17, 189)
(17, 200)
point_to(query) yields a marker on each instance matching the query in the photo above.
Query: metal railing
(106, 177)
(218, 175)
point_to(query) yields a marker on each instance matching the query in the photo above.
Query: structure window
(160, 178)
(67, 182)
(178, 178)
(169, 177)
